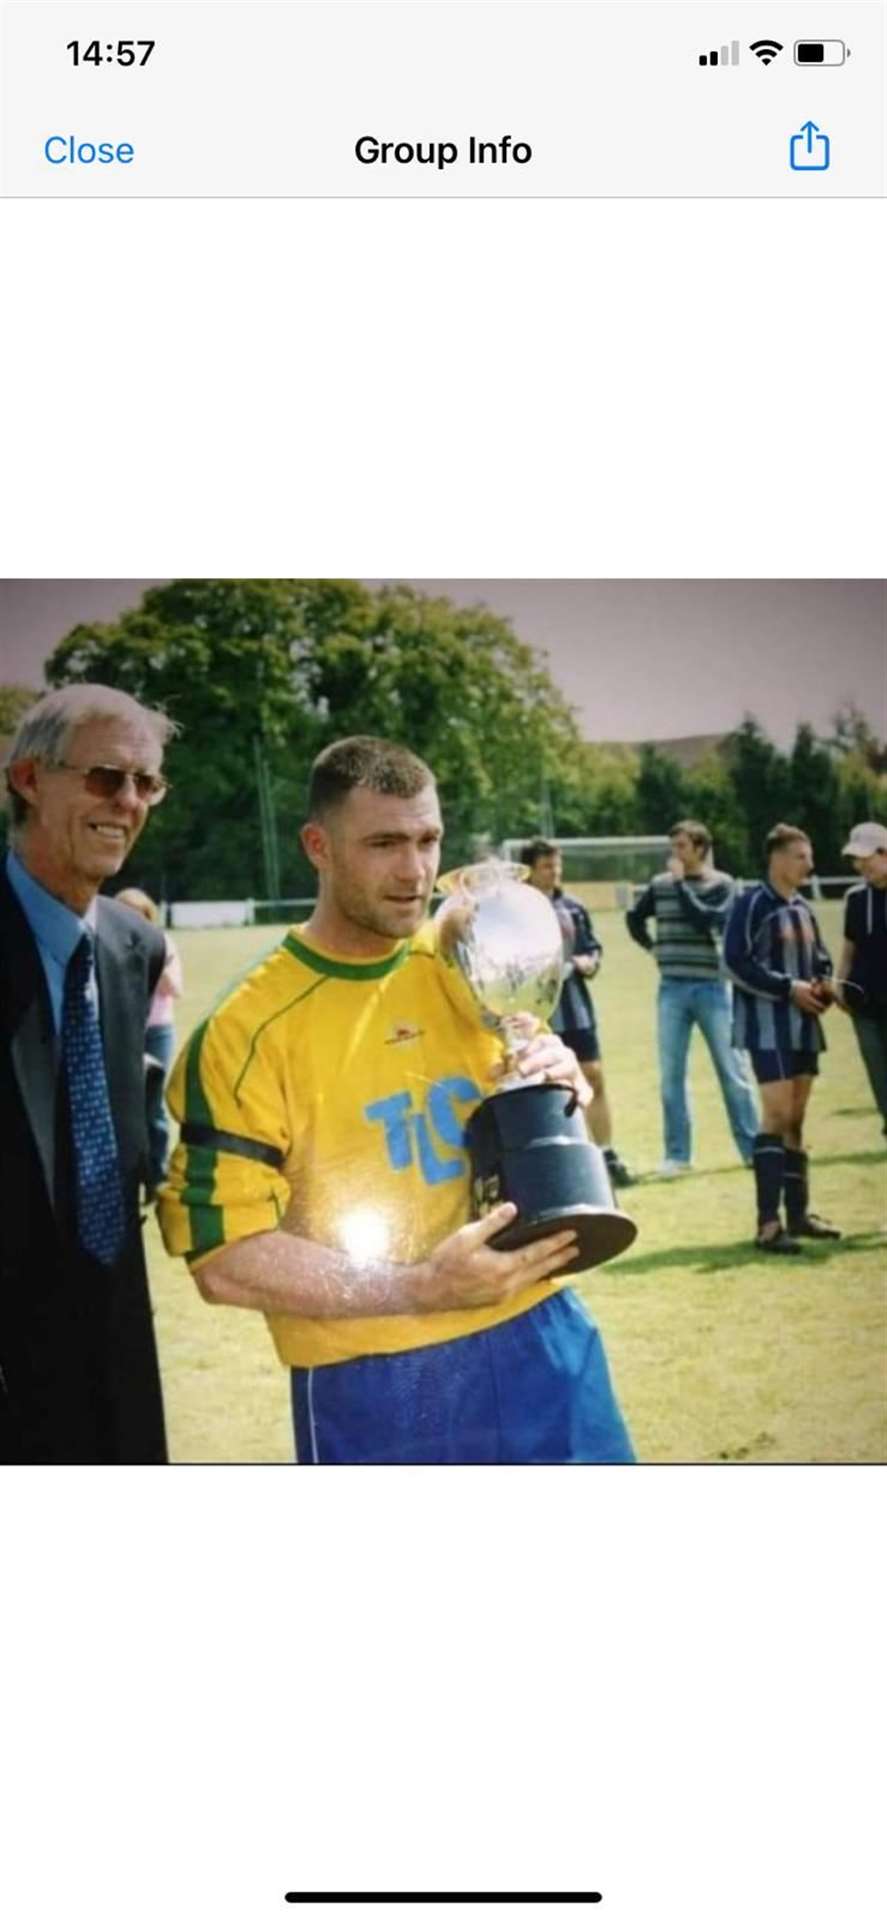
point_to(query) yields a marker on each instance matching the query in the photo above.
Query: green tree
(594, 791)
(862, 795)
(711, 799)
(293, 664)
(861, 771)
(853, 735)
(661, 793)
(758, 775)
(223, 659)
(459, 687)
(815, 795)
(14, 704)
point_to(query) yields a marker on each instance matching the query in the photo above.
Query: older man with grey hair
(79, 1379)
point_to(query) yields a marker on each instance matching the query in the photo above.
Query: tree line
(260, 675)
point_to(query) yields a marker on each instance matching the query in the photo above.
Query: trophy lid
(482, 877)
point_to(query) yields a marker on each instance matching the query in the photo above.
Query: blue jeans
(684, 1004)
(160, 1042)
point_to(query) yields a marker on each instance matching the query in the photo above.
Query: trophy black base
(530, 1145)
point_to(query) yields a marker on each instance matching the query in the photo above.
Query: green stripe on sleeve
(205, 1220)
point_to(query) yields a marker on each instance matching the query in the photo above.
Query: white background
(665, 1684)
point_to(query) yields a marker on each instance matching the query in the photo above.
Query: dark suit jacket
(80, 1380)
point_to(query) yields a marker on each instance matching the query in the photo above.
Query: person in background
(862, 985)
(574, 1016)
(160, 1039)
(79, 1380)
(782, 971)
(690, 902)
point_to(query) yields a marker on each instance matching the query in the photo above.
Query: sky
(639, 660)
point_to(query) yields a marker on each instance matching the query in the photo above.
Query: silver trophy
(502, 950)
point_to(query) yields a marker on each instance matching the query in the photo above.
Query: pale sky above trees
(640, 660)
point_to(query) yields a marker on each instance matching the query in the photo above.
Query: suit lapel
(121, 968)
(27, 1016)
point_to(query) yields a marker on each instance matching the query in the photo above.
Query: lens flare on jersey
(364, 1234)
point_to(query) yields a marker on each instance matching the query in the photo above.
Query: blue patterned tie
(101, 1222)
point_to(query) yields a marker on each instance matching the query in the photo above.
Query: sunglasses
(106, 782)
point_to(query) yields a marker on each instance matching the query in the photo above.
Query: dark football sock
(797, 1193)
(769, 1166)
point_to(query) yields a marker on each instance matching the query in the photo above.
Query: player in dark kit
(782, 972)
(574, 1016)
(863, 969)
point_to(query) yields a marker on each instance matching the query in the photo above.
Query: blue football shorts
(768, 1063)
(583, 1040)
(534, 1390)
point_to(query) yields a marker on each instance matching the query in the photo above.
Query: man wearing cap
(862, 985)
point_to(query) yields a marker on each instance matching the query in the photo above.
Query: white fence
(235, 913)
(210, 913)
(249, 913)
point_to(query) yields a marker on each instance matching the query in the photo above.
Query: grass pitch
(718, 1354)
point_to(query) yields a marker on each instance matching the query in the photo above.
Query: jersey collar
(345, 969)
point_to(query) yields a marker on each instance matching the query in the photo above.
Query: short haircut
(537, 850)
(44, 731)
(781, 836)
(695, 831)
(364, 761)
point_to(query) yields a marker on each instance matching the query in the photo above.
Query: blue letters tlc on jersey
(406, 1128)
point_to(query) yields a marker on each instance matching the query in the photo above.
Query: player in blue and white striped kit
(574, 1016)
(782, 973)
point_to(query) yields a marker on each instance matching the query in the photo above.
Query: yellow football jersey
(336, 1093)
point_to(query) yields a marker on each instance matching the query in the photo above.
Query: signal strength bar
(727, 57)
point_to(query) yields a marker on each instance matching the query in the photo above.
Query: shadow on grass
(686, 1179)
(870, 1156)
(742, 1253)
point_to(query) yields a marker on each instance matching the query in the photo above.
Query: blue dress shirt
(57, 929)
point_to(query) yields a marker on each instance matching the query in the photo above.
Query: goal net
(604, 870)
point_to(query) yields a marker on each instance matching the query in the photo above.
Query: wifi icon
(766, 50)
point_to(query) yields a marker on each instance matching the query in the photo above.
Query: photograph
(445, 1021)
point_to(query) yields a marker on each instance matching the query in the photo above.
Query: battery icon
(820, 53)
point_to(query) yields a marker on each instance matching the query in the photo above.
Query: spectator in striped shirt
(782, 972)
(690, 902)
(574, 1016)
